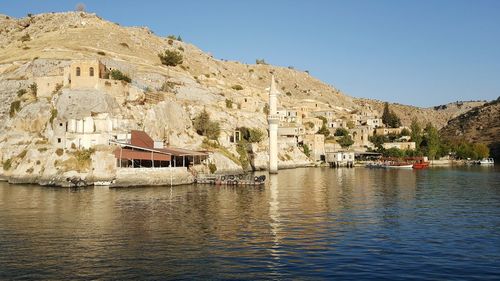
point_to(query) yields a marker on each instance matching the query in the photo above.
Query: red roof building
(140, 152)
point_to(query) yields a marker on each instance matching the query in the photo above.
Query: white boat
(397, 165)
(487, 161)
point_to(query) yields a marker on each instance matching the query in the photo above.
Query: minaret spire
(273, 120)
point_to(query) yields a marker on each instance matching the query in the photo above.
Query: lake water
(311, 223)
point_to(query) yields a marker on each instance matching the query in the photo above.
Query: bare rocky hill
(481, 124)
(34, 46)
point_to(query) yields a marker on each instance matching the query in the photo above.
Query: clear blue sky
(418, 52)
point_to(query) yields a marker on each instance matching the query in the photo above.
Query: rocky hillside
(437, 115)
(44, 45)
(34, 46)
(481, 124)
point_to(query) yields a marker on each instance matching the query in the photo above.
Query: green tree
(394, 152)
(389, 118)
(116, 74)
(307, 150)
(341, 132)
(432, 140)
(378, 140)
(350, 124)
(205, 127)
(324, 130)
(481, 150)
(386, 115)
(323, 118)
(405, 132)
(416, 133)
(170, 58)
(346, 141)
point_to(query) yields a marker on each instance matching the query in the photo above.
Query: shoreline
(137, 177)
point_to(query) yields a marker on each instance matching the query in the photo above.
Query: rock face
(482, 124)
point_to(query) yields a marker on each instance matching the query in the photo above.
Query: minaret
(273, 120)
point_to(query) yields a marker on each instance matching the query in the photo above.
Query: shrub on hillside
(341, 132)
(170, 58)
(21, 92)
(25, 37)
(116, 74)
(14, 107)
(33, 88)
(205, 127)
(237, 87)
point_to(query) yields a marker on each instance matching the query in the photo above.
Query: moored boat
(422, 165)
(398, 165)
(487, 161)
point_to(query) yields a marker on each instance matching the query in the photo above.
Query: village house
(360, 135)
(340, 158)
(85, 132)
(248, 103)
(312, 124)
(286, 115)
(399, 145)
(384, 131)
(291, 134)
(316, 143)
(328, 114)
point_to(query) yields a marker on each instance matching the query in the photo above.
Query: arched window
(91, 71)
(77, 71)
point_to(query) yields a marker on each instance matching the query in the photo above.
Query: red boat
(421, 165)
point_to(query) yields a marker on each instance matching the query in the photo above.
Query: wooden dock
(231, 180)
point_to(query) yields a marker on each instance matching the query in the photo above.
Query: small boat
(487, 161)
(398, 165)
(421, 165)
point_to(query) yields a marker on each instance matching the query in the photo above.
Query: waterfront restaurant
(141, 151)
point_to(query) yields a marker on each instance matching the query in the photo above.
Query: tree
(307, 150)
(432, 140)
(116, 74)
(341, 132)
(170, 58)
(205, 127)
(405, 132)
(394, 152)
(378, 140)
(389, 118)
(179, 38)
(481, 150)
(416, 133)
(324, 130)
(323, 118)
(386, 115)
(266, 109)
(346, 141)
(350, 124)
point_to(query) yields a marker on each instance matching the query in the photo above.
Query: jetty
(238, 179)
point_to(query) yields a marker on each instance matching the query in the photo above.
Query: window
(77, 71)
(58, 140)
(91, 71)
(60, 124)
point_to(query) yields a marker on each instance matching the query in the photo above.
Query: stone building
(316, 144)
(399, 145)
(85, 74)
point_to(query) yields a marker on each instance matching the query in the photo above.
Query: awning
(129, 154)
